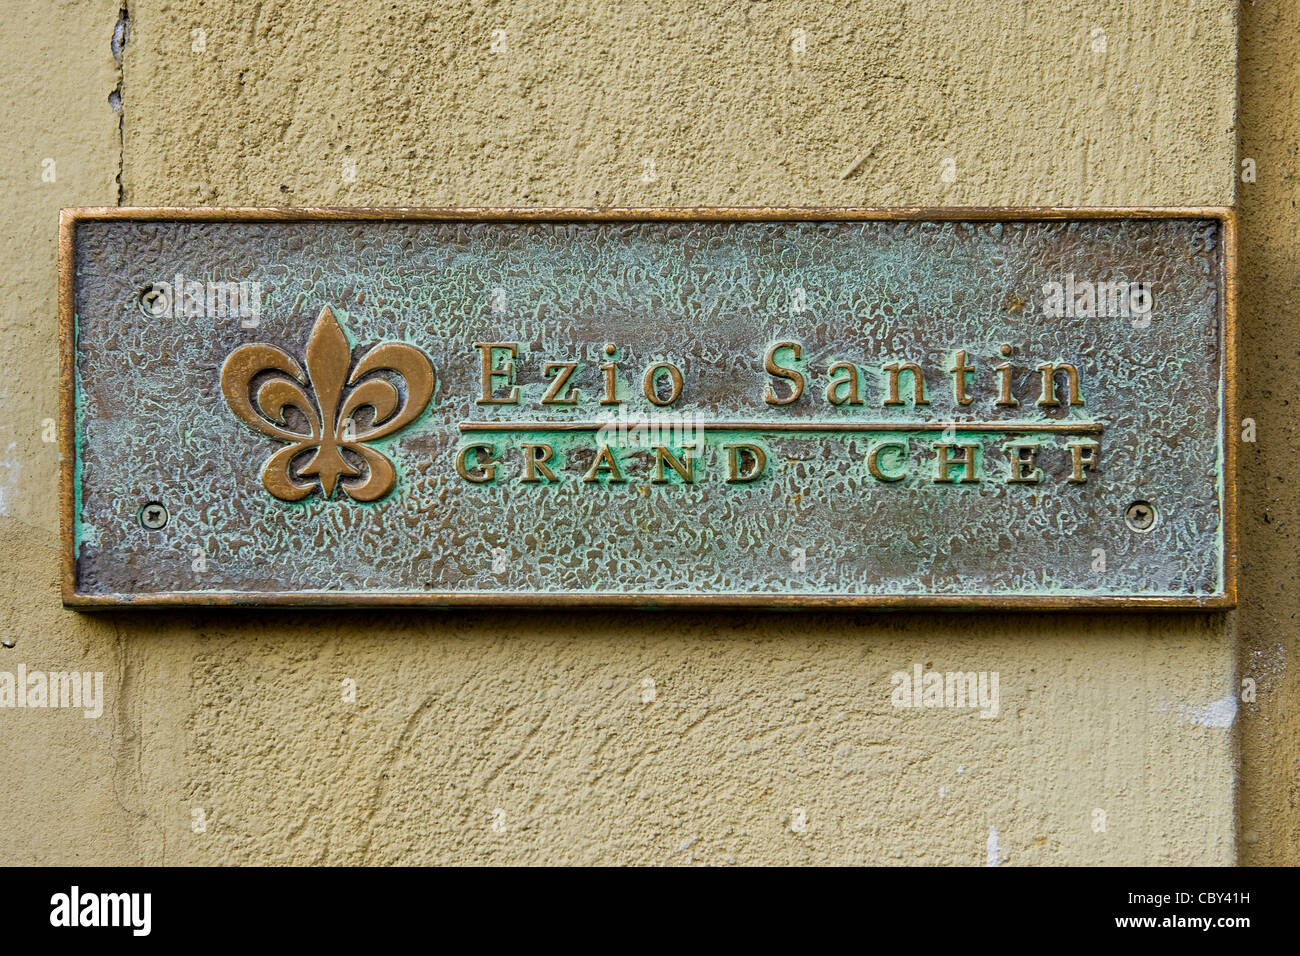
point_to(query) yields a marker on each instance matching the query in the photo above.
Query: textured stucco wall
(62, 777)
(1269, 395)
(540, 715)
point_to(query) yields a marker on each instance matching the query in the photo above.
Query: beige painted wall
(1270, 395)
(540, 714)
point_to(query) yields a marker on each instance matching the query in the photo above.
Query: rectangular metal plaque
(875, 408)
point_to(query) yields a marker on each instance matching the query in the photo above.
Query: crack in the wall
(121, 32)
(127, 753)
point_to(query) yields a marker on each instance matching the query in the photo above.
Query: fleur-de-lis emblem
(338, 397)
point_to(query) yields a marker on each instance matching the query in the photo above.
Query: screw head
(153, 301)
(1140, 516)
(153, 515)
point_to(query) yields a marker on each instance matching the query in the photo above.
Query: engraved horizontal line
(1064, 428)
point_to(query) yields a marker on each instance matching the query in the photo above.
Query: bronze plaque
(869, 408)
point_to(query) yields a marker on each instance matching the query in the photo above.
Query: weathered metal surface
(333, 443)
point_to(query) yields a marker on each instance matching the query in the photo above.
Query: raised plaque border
(71, 217)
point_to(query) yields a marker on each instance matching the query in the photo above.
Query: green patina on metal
(715, 300)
